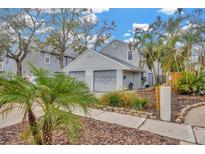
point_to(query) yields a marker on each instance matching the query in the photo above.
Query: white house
(115, 67)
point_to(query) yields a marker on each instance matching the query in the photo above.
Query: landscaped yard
(148, 110)
(93, 132)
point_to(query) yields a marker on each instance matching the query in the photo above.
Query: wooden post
(157, 94)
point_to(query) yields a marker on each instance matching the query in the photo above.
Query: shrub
(123, 99)
(192, 83)
(112, 99)
(139, 103)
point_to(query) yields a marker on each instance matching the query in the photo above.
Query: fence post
(157, 94)
(165, 103)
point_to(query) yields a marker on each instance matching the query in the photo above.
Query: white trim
(47, 55)
(92, 51)
(128, 55)
(2, 66)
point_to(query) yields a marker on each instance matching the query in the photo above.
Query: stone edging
(181, 115)
(131, 112)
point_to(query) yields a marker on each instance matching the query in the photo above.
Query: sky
(128, 18)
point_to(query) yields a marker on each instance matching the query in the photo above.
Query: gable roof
(117, 61)
(122, 62)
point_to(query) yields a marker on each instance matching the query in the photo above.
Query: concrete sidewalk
(183, 132)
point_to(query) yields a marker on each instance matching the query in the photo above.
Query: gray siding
(91, 61)
(36, 58)
(134, 77)
(121, 52)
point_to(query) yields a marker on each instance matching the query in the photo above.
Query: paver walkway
(183, 132)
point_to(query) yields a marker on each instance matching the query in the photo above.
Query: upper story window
(1, 66)
(129, 55)
(47, 58)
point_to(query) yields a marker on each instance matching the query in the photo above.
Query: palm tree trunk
(34, 128)
(47, 133)
(61, 60)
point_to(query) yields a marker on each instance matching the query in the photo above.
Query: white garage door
(104, 81)
(80, 75)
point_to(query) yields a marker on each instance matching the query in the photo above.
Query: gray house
(44, 58)
(115, 67)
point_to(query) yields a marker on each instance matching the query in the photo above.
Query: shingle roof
(122, 62)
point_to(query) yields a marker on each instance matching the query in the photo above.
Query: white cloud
(43, 29)
(126, 34)
(128, 40)
(167, 11)
(89, 18)
(100, 10)
(143, 26)
(188, 26)
(51, 11)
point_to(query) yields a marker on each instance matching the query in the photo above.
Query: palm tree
(149, 45)
(59, 95)
(15, 92)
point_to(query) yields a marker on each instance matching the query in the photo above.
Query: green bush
(192, 83)
(139, 103)
(123, 99)
(112, 99)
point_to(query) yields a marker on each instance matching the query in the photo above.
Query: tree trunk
(47, 133)
(61, 60)
(19, 67)
(34, 128)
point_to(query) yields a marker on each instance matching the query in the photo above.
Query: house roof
(49, 49)
(68, 53)
(122, 62)
(124, 65)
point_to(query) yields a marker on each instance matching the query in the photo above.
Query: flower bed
(126, 102)
(181, 104)
(94, 132)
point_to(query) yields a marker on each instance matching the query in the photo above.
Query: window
(129, 55)
(47, 58)
(1, 66)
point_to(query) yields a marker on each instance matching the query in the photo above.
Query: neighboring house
(44, 58)
(115, 67)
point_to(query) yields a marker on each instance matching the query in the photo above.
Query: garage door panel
(104, 80)
(80, 75)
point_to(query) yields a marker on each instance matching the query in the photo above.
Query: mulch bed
(178, 101)
(95, 133)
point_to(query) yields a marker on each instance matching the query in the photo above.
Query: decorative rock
(129, 112)
(180, 116)
(123, 112)
(135, 114)
(144, 116)
(133, 111)
(152, 117)
(178, 120)
(126, 110)
(149, 113)
(104, 108)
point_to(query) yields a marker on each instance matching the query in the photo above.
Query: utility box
(165, 103)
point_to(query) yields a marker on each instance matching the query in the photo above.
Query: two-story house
(44, 58)
(115, 67)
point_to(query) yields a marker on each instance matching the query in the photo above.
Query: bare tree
(76, 29)
(17, 30)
